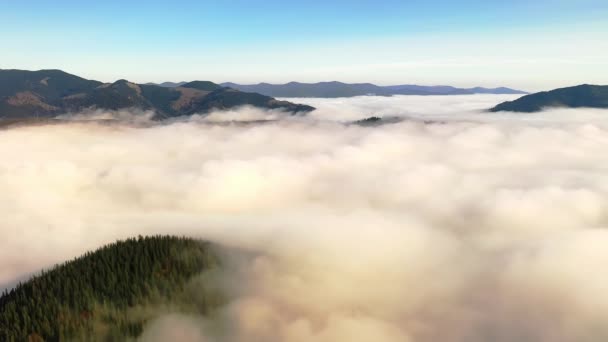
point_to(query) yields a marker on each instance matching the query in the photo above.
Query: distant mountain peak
(202, 85)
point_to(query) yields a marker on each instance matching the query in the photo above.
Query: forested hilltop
(109, 294)
(585, 95)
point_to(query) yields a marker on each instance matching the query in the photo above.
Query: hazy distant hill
(322, 89)
(499, 90)
(47, 93)
(109, 294)
(593, 96)
(339, 89)
(411, 89)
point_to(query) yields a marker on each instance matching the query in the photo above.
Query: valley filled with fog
(441, 222)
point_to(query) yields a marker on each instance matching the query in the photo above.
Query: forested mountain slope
(109, 294)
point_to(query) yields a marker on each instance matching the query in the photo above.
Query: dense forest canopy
(109, 294)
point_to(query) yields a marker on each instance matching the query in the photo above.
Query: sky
(531, 45)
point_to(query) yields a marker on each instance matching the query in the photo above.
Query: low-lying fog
(473, 227)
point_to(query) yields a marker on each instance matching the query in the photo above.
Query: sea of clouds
(453, 224)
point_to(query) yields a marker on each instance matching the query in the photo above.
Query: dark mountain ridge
(48, 93)
(585, 95)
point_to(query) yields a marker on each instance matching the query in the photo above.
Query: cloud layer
(470, 227)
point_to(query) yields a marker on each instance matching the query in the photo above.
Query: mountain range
(585, 95)
(339, 89)
(47, 93)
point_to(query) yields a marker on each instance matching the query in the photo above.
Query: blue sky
(527, 44)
